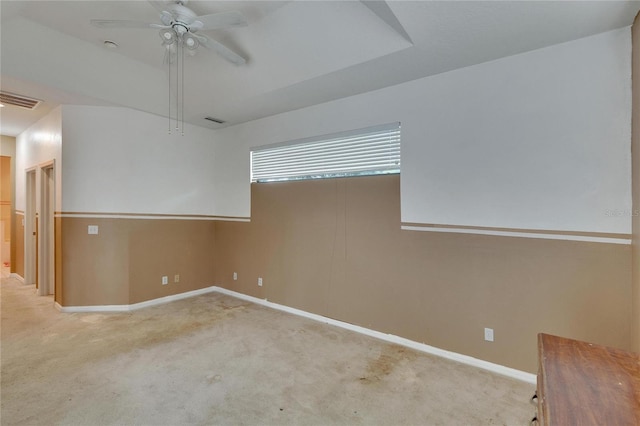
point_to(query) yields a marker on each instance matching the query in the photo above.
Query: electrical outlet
(176, 278)
(488, 334)
(260, 282)
(165, 280)
(235, 276)
(92, 230)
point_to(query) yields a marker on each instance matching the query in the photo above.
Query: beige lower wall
(335, 248)
(124, 263)
(58, 254)
(169, 247)
(17, 266)
(635, 181)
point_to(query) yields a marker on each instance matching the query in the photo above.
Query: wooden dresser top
(587, 384)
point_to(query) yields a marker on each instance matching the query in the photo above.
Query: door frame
(46, 233)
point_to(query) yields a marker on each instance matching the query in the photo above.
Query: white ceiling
(299, 53)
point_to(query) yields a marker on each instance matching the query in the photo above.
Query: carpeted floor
(213, 359)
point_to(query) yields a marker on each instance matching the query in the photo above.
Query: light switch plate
(93, 230)
(488, 334)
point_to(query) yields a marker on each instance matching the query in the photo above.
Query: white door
(30, 230)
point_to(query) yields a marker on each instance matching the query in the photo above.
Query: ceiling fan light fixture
(168, 36)
(191, 42)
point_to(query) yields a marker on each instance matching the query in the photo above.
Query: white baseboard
(485, 365)
(17, 277)
(133, 307)
(464, 359)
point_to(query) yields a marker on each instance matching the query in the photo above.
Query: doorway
(5, 215)
(30, 231)
(46, 234)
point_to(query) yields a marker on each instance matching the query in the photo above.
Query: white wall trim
(464, 359)
(151, 216)
(135, 306)
(17, 277)
(47, 164)
(566, 237)
(92, 308)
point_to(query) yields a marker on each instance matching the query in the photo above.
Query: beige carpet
(213, 359)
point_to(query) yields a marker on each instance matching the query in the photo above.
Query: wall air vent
(215, 120)
(7, 98)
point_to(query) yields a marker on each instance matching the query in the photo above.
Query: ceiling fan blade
(221, 50)
(158, 5)
(220, 20)
(166, 17)
(114, 23)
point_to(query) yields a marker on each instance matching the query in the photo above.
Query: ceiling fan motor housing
(182, 15)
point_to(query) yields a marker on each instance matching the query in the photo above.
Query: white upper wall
(8, 149)
(40, 143)
(7, 146)
(539, 140)
(118, 160)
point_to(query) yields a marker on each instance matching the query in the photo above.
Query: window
(370, 151)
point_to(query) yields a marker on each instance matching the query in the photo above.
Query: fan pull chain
(179, 76)
(182, 100)
(177, 83)
(169, 65)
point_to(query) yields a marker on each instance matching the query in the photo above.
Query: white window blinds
(374, 150)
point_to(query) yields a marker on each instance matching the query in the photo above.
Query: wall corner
(635, 180)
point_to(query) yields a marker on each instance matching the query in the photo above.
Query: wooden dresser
(581, 383)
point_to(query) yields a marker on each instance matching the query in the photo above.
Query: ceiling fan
(180, 25)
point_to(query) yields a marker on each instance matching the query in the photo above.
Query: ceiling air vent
(215, 120)
(7, 98)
